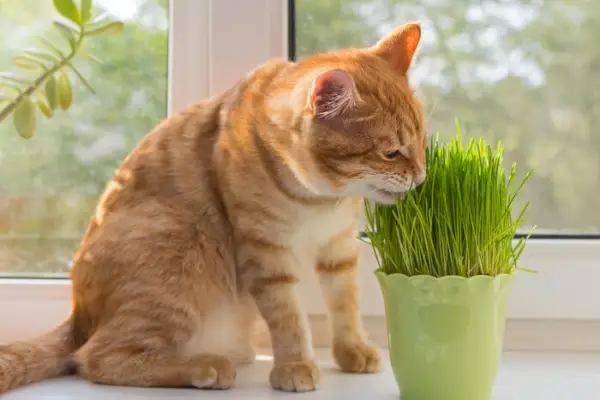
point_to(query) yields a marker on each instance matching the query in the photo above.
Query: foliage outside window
(519, 71)
(50, 183)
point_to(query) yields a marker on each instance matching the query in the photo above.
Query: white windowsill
(561, 297)
(564, 286)
(531, 376)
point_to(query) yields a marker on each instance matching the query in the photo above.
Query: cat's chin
(386, 197)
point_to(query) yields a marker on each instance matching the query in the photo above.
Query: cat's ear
(399, 47)
(332, 95)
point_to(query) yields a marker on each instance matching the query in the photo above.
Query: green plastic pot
(445, 334)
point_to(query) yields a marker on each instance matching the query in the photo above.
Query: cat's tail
(34, 360)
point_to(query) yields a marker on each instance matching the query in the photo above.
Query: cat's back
(163, 194)
(159, 225)
(172, 163)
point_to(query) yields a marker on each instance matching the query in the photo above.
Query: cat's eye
(392, 155)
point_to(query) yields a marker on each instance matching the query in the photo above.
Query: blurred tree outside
(520, 71)
(50, 183)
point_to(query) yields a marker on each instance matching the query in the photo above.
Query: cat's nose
(419, 178)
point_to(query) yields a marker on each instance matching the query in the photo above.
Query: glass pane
(520, 71)
(50, 183)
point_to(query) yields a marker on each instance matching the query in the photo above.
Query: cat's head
(365, 127)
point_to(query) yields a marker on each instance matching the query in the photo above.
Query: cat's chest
(315, 228)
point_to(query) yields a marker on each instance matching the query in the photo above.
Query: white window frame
(213, 43)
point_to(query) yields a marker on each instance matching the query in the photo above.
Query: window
(519, 71)
(50, 183)
(515, 71)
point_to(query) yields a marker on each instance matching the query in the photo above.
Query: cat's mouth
(387, 196)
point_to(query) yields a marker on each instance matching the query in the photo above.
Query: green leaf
(99, 19)
(24, 118)
(10, 86)
(82, 79)
(65, 91)
(43, 64)
(106, 30)
(45, 109)
(86, 10)
(7, 76)
(68, 33)
(53, 48)
(44, 55)
(83, 54)
(67, 9)
(26, 63)
(69, 24)
(51, 89)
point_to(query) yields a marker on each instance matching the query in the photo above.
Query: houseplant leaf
(49, 60)
(44, 55)
(24, 117)
(45, 109)
(67, 9)
(65, 91)
(81, 78)
(97, 21)
(106, 30)
(68, 33)
(53, 48)
(27, 63)
(83, 54)
(51, 89)
(10, 86)
(86, 10)
(8, 77)
(43, 64)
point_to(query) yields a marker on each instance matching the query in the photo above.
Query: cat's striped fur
(209, 220)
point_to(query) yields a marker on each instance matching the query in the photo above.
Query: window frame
(210, 47)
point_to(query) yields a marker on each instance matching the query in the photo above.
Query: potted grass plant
(446, 258)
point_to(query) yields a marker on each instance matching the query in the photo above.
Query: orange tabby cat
(208, 221)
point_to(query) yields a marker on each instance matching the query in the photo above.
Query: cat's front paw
(300, 376)
(357, 356)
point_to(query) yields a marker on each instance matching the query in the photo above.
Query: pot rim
(398, 275)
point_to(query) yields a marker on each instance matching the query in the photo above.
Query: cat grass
(460, 221)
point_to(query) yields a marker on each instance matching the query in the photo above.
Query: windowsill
(564, 287)
(532, 376)
(555, 309)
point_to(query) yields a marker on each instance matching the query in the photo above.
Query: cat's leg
(247, 323)
(267, 272)
(135, 351)
(338, 272)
